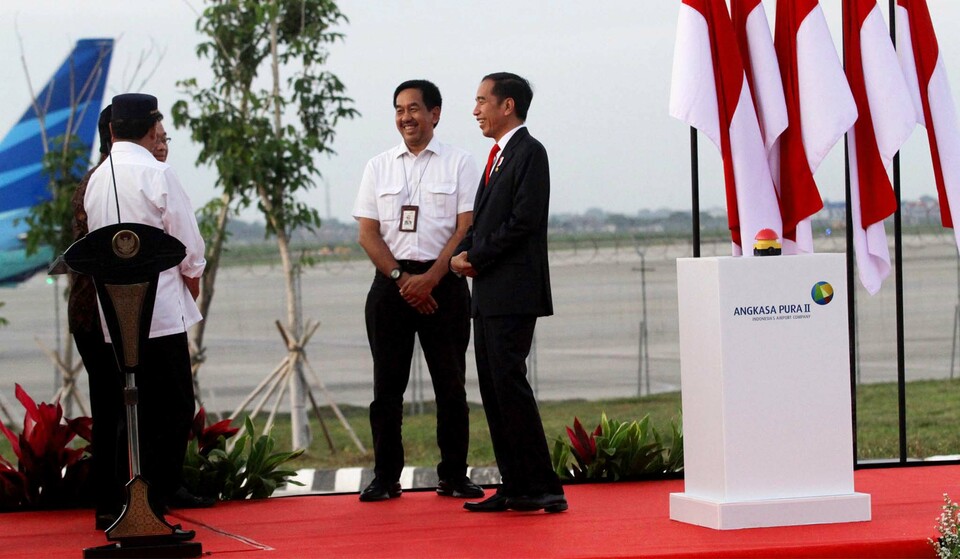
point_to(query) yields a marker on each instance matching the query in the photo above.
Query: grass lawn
(933, 413)
(933, 416)
(419, 431)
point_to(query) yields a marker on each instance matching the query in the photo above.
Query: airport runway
(589, 349)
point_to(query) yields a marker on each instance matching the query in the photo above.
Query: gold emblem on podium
(126, 244)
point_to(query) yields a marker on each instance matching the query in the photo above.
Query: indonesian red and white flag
(821, 109)
(886, 119)
(709, 91)
(926, 76)
(760, 64)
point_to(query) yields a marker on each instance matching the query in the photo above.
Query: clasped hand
(462, 266)
(415, 290)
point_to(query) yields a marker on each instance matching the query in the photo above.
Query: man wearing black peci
(143, 190)
(505, 252)
(413, 207)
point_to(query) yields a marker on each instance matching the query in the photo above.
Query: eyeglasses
(165, 140)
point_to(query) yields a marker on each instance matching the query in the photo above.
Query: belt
(415, 267)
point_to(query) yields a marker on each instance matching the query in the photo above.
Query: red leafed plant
(50, 473)
(13, 486)
(617, 450)
(207, 437)
(583, 446)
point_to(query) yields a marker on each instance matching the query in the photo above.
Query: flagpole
(851, 299)
(695, 186)
(851, 285)
(898, 258)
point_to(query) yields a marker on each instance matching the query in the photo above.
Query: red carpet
(605, 520)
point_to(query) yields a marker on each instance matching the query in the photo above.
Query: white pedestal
(765, 380)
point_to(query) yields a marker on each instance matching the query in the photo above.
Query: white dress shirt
(441, 180)
(150, 193)
(503, 144)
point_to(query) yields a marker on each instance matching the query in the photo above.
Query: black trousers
(502, 344)
(165, 413)
(109, 468)
(444, 335)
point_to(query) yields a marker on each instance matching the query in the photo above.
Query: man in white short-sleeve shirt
(414, 205)
(148, 191)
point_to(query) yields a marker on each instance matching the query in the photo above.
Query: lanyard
(416, 188)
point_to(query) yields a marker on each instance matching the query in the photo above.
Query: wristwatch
(395, 273)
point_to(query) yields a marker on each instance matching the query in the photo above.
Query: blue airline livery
(69, 103)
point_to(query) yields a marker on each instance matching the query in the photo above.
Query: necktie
(490, 159)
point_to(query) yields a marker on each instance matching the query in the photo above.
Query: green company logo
(822, 293)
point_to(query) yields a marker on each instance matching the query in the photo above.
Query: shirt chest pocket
(389, 200)
(440, 199)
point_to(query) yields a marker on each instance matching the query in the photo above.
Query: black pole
(695, 186)
(898, 261)
(851, 300)
(901, 365)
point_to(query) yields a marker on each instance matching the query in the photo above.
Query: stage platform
(607, 520)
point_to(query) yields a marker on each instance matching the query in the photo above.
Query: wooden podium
(765, 377)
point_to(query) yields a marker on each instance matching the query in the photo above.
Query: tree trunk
(204, 302)
(65, 347)
(207, 282)
(299, 425)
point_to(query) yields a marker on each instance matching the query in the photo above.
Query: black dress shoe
(462, 488)
(183, 499)
(379, 491)
(546, 501)
(496, 503)
(182, 535)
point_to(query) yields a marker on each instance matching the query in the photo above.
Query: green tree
(263, 133)
(51, 221)
(51, 225)
(65, 161)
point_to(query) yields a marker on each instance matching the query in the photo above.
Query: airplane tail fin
(69, 104)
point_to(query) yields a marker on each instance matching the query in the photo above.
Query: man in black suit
(505, 252)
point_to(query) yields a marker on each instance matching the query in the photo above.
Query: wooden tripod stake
(286, 373)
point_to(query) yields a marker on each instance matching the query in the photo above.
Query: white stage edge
(765, 380)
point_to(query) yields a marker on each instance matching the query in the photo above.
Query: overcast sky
(600, 71)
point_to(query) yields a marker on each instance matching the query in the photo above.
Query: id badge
(408, 218)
